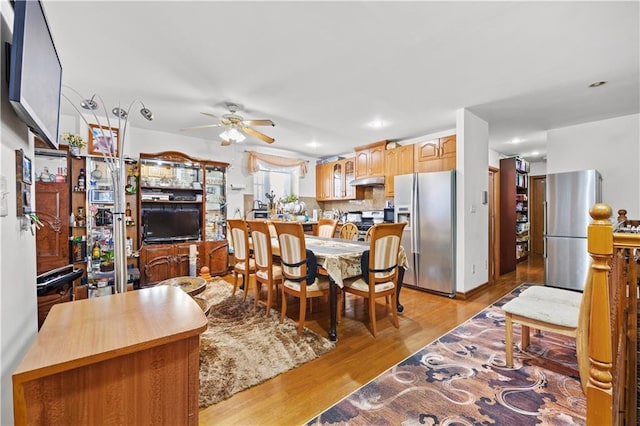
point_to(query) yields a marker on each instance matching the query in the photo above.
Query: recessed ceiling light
(598, 84)
(515, 140)
(314, 144)
(377, 124)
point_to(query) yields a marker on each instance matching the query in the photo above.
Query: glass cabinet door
(337, 181)
(349, 175)
(215, 203)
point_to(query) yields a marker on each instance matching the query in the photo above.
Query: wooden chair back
(266, 273)
(292, 250)
(239, 239)
(383, 252)
(349, 231)
(327, 227)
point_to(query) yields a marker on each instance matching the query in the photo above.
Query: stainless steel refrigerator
(426, 201)
(568, 198)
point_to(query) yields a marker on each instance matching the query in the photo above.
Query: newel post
(599, 386)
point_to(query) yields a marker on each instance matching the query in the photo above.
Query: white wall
(18, 303)
(472, 164)
(537, 168)
(612, 147)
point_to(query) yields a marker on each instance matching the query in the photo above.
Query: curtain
(256, 158)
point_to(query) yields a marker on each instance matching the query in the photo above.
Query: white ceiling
(322, 70)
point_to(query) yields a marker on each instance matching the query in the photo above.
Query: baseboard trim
(471, 293)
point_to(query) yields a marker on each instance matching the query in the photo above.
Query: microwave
(101, 196)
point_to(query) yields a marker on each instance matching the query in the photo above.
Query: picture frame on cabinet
(103, 140)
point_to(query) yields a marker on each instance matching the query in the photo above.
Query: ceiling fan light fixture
(232, 135)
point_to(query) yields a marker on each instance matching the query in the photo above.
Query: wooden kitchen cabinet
(398, 161)
(435, 155)
(333, 181)
(323, 181)
(370, 159)
(159, 262)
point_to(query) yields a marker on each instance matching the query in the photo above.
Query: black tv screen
(35, 73)
(171, 225)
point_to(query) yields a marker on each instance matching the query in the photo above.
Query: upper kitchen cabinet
(333, 181)
(370, 159)
(324, 181)
(398, 161)
(435, 155)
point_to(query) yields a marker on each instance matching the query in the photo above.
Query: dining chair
(296, 276)
(244, 265)
(349, 231)
(327, 227)
(266, 272)
(367, 236)
(379, 270)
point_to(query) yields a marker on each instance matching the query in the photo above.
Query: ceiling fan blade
(258, 123)
(258, 135)
(224, 142)
(202, 127)
(210, 115)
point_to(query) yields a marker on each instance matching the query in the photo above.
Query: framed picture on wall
(103, 140)
(26, 170)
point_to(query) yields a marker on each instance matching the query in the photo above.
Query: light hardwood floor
(299, 394)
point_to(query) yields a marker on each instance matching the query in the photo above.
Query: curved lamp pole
(115, 164)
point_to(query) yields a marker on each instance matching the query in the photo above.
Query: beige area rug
(243, 347)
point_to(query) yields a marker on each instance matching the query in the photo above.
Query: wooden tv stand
(129, 358)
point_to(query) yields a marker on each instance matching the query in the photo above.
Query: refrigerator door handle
(414, 216)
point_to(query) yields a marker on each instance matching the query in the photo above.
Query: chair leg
(394, 310)
(245, 281)
(258, 286)
(269, 297)
(283, 310)
(303, 313)
(524, 338)
(508, 341)
(235, 282)
(372, 314)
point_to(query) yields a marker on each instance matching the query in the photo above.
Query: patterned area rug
(243, 347)
(461, 379)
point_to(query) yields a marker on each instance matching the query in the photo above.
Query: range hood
(368, 181)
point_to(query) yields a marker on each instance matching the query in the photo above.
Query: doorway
(537, 193)
(493, 253)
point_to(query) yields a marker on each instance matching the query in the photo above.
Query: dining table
(341, 261)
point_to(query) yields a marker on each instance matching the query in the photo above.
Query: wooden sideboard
(130, 358)
(159, 262)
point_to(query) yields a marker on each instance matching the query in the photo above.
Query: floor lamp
(115, 164)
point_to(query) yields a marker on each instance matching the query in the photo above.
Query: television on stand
(161, 226)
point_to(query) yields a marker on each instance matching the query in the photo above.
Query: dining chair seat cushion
(361, 285)
(242, 265)
(318, 285)
(276, 272)
(544, 310)
(556, 295)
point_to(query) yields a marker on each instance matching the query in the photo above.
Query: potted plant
(76, 143)
(106, 262)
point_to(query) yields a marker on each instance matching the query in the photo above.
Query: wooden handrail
(613, 332)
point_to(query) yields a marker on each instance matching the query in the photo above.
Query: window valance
(258, 161)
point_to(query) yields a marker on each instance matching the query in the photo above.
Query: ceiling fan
(235, 126)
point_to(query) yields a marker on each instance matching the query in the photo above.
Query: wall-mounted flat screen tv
(169, 225)
(35, 73)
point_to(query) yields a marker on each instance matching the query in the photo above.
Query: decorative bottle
(127, 212)
(81, 180)
(80, 217)
(95, 251)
